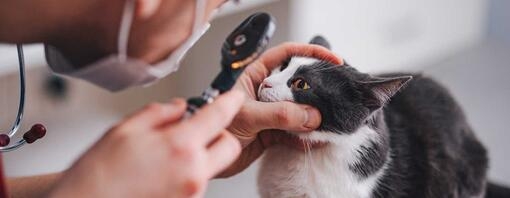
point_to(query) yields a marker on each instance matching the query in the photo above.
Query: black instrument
(243, 46)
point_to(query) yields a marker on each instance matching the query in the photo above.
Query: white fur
(322, 172)
(280, 91)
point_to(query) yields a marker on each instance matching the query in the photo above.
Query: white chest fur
(320, 173)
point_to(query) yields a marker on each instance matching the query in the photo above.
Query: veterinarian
(151, 153)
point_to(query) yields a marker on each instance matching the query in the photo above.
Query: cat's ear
(378, 92)
(319, 40)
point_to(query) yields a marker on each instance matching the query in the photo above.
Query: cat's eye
(300, 84)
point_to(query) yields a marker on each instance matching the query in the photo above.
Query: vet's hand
(256, 117)
(153, 153)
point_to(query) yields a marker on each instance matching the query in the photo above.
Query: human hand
(255, 123)
(154, 153)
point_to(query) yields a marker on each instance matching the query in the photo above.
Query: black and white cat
(384, 136)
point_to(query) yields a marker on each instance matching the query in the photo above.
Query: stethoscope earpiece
(4, 140)
(37, 131)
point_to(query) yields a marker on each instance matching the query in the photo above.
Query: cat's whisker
(310, 156)
(307, 164)
(311, 167)
(305, 161)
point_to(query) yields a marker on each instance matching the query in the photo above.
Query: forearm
(32, 186)
(50, 21)
(27, 21)
(84, 30)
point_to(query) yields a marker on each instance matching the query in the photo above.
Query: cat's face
(345, 97)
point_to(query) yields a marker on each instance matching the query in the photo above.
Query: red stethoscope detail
(36, 132)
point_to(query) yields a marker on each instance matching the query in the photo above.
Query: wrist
(32, 186)
(51, 21)
(75, 185)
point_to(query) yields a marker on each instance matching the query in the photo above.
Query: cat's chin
(303, 143)
(318, 136)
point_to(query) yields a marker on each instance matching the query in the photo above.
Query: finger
(248, 155)
(209, 121)
(253, 151)
(283, 115)
(222, 153)
(154, 115)
(275, 56)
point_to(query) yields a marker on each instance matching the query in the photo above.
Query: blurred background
(465, 44)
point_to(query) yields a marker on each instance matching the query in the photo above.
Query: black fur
(325, 96)
(319, 40)
(431, 148)
(371, 158)
(434, 152)
(497, 191)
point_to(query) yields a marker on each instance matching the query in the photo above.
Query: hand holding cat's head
(345, 97)
(256, 116)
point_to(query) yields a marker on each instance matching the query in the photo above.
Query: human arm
(87, 30)
(31, 186)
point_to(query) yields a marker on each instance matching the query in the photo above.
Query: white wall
(389, 35)
(34, 57)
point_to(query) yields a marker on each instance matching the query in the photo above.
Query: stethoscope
(37, 131)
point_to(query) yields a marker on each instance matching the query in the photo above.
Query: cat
(392, 135)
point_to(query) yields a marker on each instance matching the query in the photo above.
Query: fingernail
(176, 101)
(313, 118)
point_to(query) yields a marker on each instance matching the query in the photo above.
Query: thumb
(285, 116)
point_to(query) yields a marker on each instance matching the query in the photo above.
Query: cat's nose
(266, 85)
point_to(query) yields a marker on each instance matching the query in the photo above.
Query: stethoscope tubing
(19, 117)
